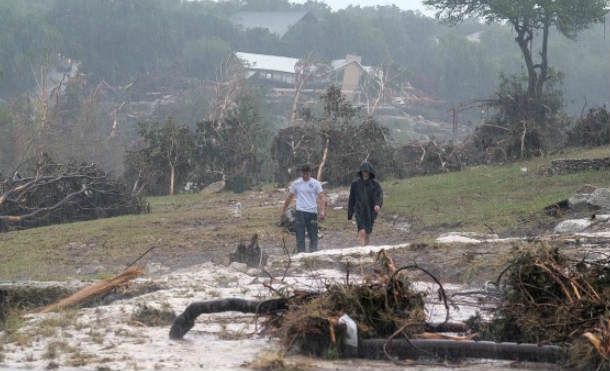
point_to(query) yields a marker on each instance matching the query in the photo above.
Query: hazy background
(403, 4)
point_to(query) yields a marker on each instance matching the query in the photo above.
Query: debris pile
(59, 193)
(550, 298)
(382, 305)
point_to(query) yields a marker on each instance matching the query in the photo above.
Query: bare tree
(228, 86)
(379, 84)
(306, 69)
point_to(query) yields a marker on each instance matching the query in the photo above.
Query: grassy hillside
(480, 199)
(190, 229)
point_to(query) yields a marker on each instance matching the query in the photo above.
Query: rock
(587, 189)
(579, 202)
(239, 267)
(91, 269)
(573, 226)
(252, 272)
(600, 198)
(214, 187)
(208, 265)
(152, 268)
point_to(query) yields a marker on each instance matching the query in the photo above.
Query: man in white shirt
(307, 191)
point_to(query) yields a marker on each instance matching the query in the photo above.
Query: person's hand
(322, 215)
(377, 209)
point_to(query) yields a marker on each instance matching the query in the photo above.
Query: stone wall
(559, 167)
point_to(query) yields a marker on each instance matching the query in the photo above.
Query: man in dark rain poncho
(365, 201)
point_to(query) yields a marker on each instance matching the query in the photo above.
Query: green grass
(193, 226)
(482, 198)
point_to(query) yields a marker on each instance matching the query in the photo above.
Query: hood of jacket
(366, 166)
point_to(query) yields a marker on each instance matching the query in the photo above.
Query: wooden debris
(98, 288)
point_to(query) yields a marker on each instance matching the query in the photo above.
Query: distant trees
(527, 17)
(334, 141)
(230, 148)
(165, 160)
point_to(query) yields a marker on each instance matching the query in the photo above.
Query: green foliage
(591, 130)
(350, 136)
(227, 149)
(527, 17)
(167, 146)
(232, 148)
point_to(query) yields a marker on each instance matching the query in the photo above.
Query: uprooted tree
(334, 142)
(60, 193)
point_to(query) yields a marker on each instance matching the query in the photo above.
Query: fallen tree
(58, 193)
(550, 298)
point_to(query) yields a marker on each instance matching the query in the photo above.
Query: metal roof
(276, 22)
(268, 62)
(338, 64)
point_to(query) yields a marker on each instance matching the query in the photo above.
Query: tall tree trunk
(524, 38)
(297, 95)
(544, 64)
(172, 178)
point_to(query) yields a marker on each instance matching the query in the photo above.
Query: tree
(306, 69)
(231, 148)
(381, 83)
(527, 17)
(166, 159)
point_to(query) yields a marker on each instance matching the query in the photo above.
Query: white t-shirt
(307, 194)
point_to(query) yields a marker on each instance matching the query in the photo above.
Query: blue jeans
(307, 222)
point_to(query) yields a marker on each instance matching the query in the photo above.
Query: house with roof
(281, 72)
(278, 23)
(277, 70)
(348, 73)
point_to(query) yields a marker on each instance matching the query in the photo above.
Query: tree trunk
(544, 64)
(323, 163)
(524, 38)
(172, 178)
(297, 95)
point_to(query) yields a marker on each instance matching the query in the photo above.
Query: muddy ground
(109, 337)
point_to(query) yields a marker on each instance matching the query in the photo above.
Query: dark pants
(307, 222)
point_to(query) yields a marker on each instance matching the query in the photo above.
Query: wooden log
(99, 288)
(450, 349)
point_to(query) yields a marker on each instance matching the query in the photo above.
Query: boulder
(214, 187)
(579, 202)
(573, 226)
(154, 268)
(239, 267)
(600, 198)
